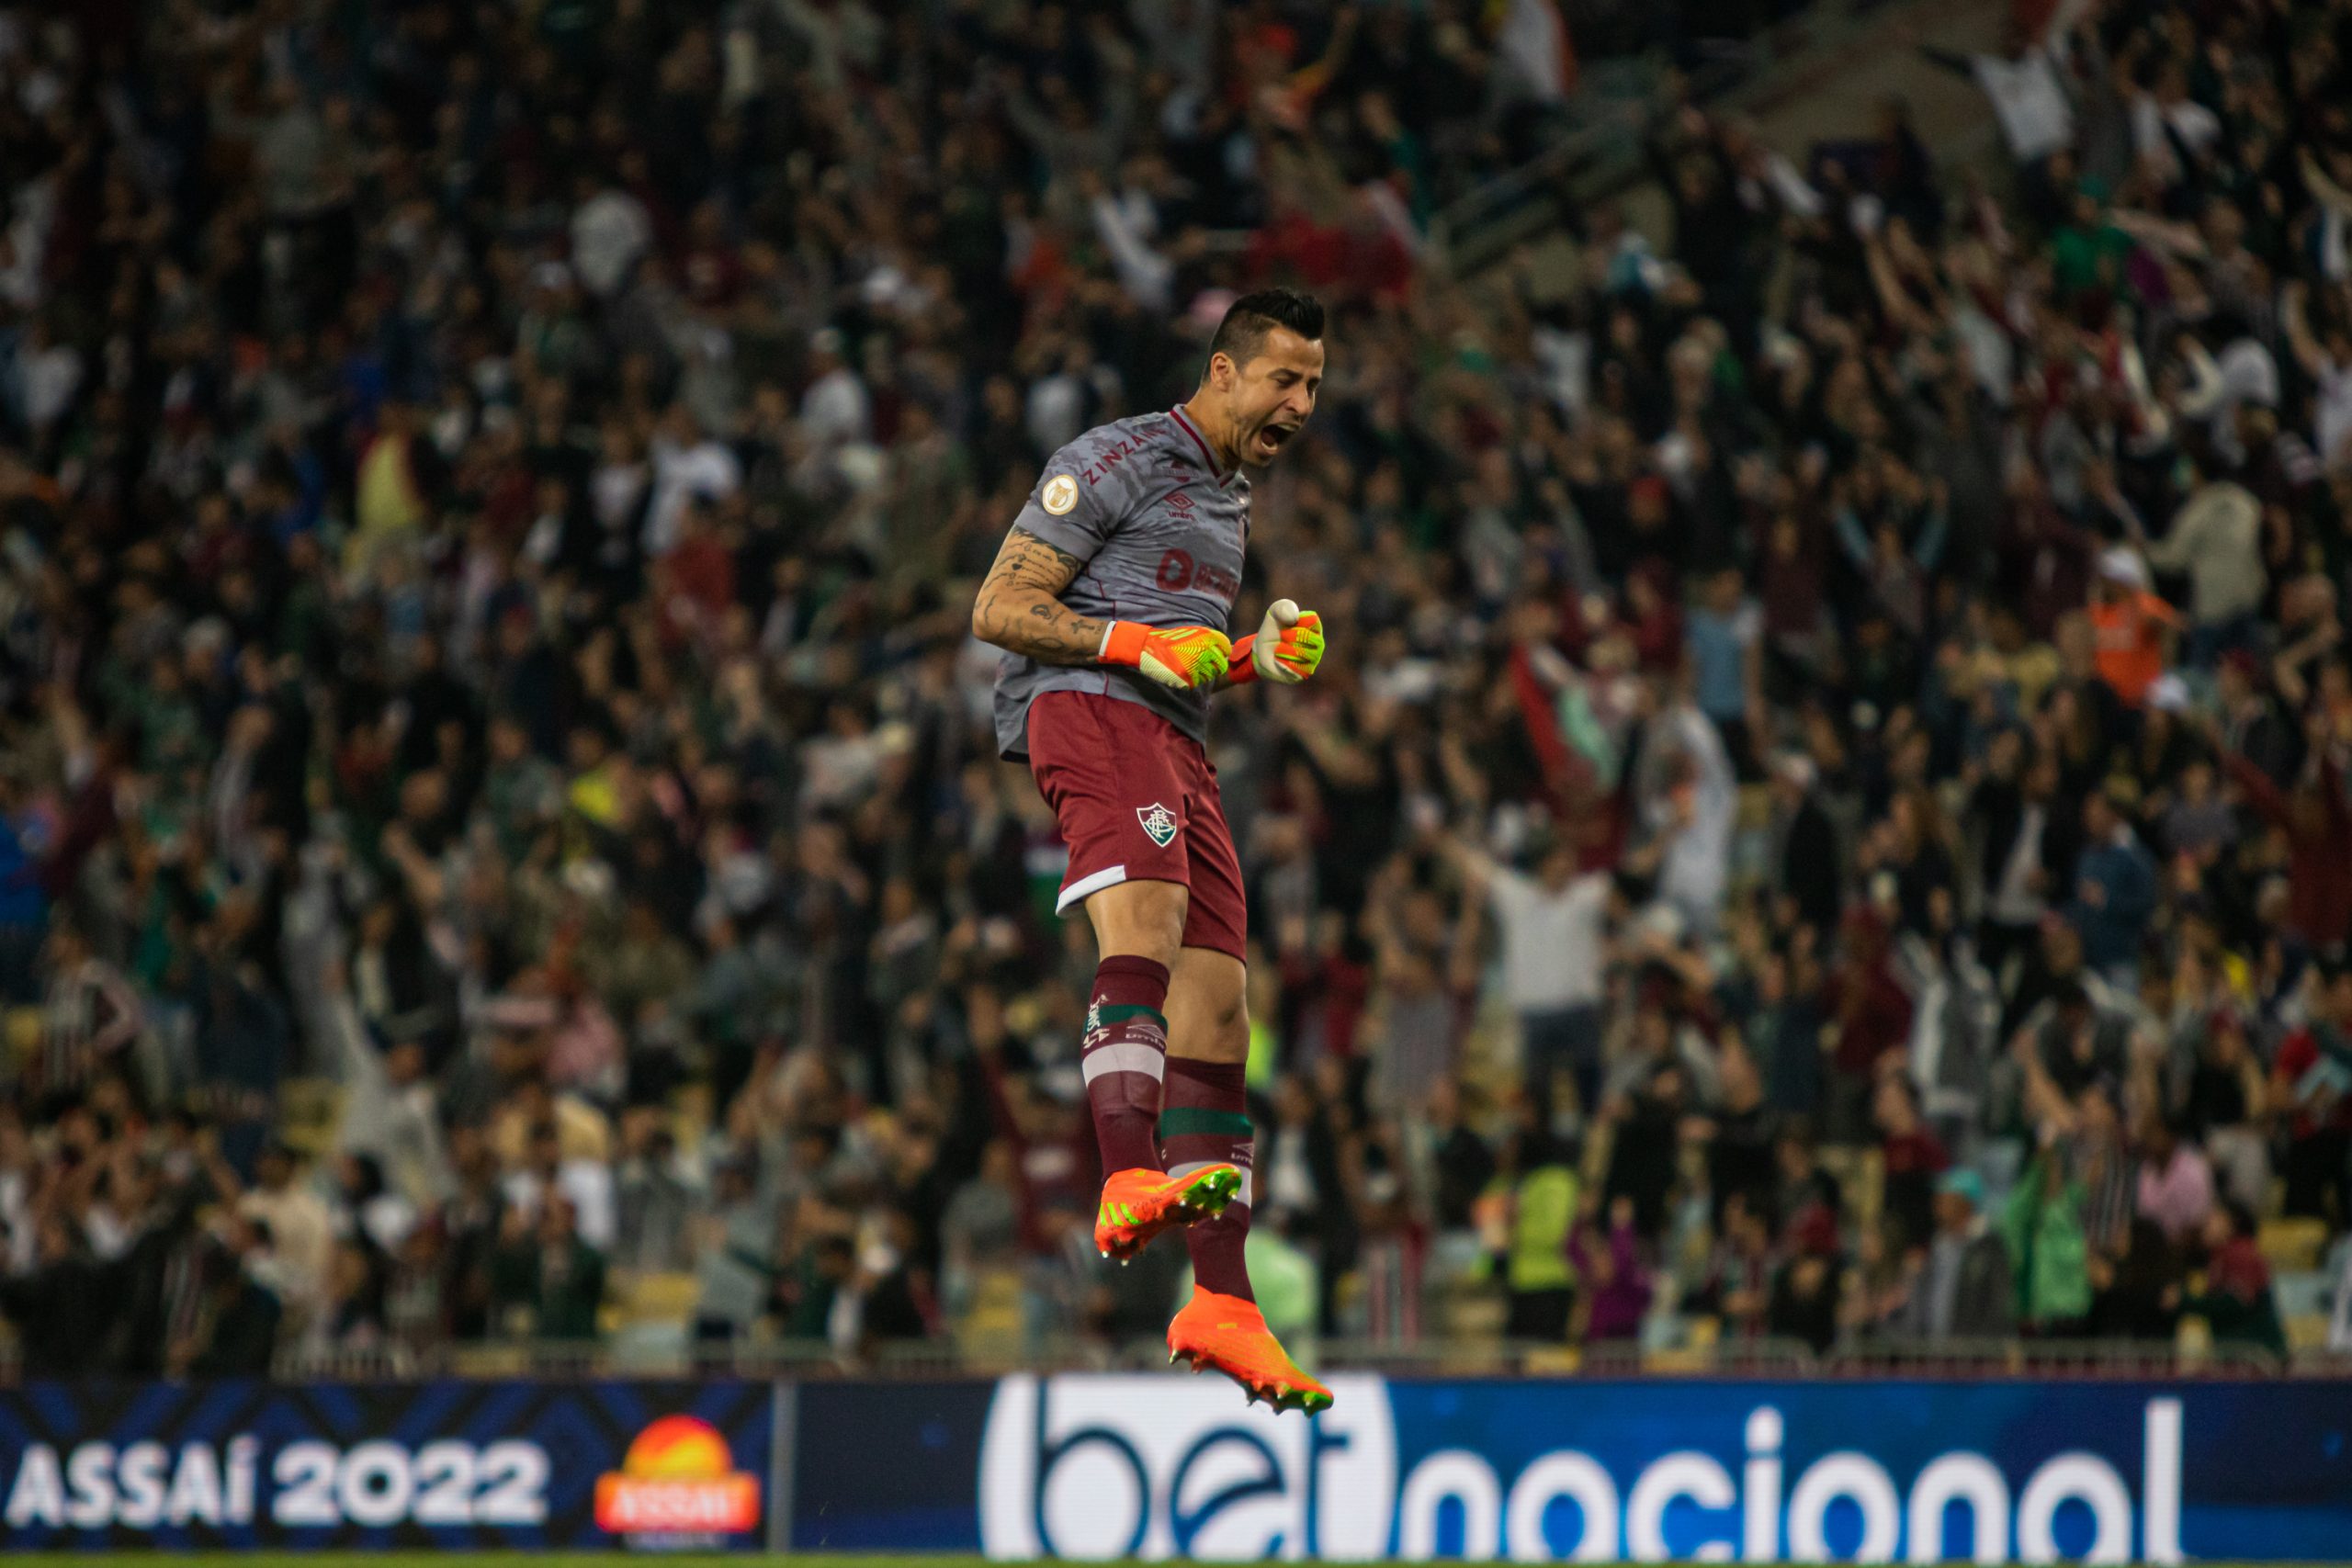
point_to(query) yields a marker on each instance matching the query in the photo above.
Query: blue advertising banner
(1991, 1472)
(1163, 1466)
(176, 1467)
(887, 1466)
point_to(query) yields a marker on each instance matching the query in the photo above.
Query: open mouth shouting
(1270, 439)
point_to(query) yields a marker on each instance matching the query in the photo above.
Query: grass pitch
(606, 1559)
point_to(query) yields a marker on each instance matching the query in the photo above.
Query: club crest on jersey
(1158, 821)
(1059, 495)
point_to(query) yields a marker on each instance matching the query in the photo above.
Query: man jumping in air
(1112, 598)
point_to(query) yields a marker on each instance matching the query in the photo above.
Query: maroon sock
(1123, 1057)
(1207, 1122)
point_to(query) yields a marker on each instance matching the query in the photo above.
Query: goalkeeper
(1112, 598)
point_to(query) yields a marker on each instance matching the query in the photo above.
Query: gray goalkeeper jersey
(1160, 533)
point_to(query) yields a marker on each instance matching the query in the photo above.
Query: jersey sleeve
(1069, 511)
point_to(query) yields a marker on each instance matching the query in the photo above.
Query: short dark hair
(1249, 319)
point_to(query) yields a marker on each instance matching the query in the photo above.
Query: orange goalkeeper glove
(1286, 647)
(1191, 658)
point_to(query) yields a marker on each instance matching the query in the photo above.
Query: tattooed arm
(1020, 609)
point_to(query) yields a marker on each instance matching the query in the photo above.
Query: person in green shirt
(1542, 1197)
(814, 1285)
(2049, 1247)
(544, 1278)
(2090, 251)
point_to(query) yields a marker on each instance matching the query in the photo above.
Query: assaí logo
(677, 1480)
(1110, 1466)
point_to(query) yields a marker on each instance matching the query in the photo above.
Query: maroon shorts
(1135, 799)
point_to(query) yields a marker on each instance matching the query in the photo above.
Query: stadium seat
(2306, 1331)
(991, 1330)
(651, 1346)
(2292, 1243)
(649, 1299)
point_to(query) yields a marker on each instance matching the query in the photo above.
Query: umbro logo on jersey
(1159, 822)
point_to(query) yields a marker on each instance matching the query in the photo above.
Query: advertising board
(1991, 1472)
(1152, 1466)
(182, 1466)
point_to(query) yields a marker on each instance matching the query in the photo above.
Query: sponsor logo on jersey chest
(1178, 571)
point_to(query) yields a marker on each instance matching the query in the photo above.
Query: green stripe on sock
(1193, 1121)
(1128, 1013)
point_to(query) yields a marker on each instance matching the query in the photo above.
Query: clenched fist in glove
(1286, 647)
(1187, 657)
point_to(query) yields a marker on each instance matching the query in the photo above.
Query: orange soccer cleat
(1137, 1204)
(1230, 1335)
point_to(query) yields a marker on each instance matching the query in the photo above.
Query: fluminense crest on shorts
(1158, 821)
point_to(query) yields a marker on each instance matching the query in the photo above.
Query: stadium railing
(921, 1359)
(917, 1360)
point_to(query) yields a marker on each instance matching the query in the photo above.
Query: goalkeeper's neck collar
(1221, 473)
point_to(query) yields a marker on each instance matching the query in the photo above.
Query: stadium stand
(1823, 840)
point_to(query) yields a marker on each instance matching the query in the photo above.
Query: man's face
(1270, 398)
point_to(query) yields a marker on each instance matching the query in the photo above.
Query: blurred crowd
(1826, 818)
